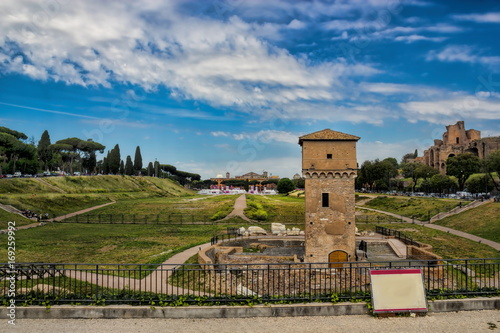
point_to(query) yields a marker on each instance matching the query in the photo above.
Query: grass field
(420, 208)
(5, 217)
(92, 243)
(444, 244)
(279, 208)
(197, 206)
(105, 243)
(483, 221)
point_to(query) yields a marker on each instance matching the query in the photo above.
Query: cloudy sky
(229, 85)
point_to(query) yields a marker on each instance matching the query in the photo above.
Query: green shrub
(218, 216)
(259, 214)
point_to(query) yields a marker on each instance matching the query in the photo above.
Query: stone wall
(329, 228)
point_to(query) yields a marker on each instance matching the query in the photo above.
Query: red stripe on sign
(400, 310)
(395, 271)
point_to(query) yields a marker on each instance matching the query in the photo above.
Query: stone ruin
(277, 229)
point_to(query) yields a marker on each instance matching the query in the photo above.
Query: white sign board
(398, 290)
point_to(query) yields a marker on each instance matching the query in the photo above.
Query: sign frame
(398, 290)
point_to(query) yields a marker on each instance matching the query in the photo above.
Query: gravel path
(239, 209)
(467, 321)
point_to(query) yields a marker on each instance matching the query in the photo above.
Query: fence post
(96, 282)
(466, 275)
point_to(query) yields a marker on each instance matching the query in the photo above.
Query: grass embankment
(118, 184)
(483, 221)
(419, 208)
(82, 192)
(276, 208)
(444, 244)
(197, 207)
(5, 217)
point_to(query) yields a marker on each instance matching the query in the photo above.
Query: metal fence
(36, 283)
(291, 220)
(398, 235)
(139, 219)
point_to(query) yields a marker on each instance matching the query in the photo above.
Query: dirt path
(156, 281)
(55, 188)
(60, 218)
(239, 209)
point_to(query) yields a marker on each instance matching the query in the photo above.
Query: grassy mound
(111, 184)
(420, 208)
(483, 221)
(82, 192)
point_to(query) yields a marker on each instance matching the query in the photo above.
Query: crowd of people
(32, 215)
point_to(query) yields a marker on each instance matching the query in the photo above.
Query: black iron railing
(398, 235)
(36, 283)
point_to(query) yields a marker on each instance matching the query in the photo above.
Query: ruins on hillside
(329, 167)
(457, 140)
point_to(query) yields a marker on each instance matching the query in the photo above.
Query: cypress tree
(44, 152)
(114, 160)
(129, 166)
(151, 170)
(138, 160)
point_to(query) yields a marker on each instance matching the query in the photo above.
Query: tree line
(71, 155)
(463, 172)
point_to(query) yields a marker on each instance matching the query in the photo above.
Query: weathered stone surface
(278, 229)
(254, 231)
(329, 166)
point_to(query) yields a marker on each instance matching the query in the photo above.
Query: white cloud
(296, 24)
(462, 53)
(479, 18)
(219, 133)
(266, 136)
(448, 110)
(416, 38)
(398, 88)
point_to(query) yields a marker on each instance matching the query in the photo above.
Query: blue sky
(229, 85)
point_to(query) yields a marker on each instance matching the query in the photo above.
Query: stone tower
(329, 167)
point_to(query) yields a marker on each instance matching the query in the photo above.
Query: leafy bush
(259, 214)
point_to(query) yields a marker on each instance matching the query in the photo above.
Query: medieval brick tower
(329, 166)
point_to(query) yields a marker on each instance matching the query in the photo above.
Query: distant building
(251, 176)
(457, 140)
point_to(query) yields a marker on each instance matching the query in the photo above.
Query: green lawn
(92, 243)
(420, 208)
(483, 221)
(197, 206)
(280, 208)
(444, 244)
